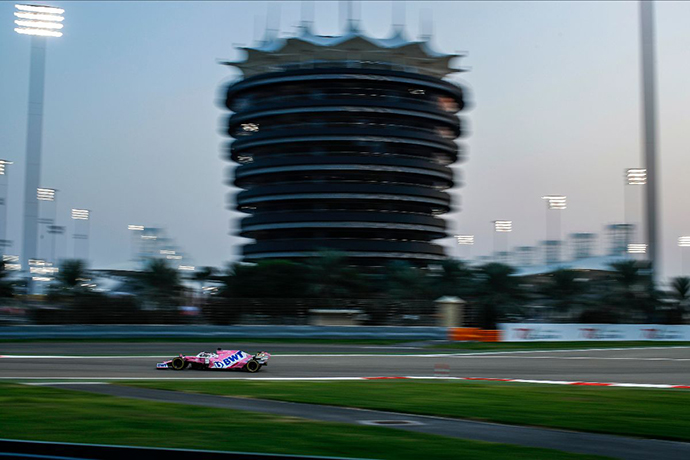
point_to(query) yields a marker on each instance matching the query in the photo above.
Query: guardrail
(61, 450)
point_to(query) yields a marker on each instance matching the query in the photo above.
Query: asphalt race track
(662, 365)
(89, 366)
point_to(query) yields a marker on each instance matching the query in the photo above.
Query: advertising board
(536, 332)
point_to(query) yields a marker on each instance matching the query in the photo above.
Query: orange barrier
(474, 334)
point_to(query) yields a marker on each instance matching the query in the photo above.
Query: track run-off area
(664, 367)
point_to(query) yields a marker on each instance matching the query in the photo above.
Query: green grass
(47, 414)
(650, 413)
(517, 346)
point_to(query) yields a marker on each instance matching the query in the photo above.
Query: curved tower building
(344, 143)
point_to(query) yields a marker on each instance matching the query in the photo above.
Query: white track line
(593, 358)
(63, 383)
(187, 378)
(332, 379)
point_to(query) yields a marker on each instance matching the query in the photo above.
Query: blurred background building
(344, 143)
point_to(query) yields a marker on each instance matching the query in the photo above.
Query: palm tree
(202, 275)
(498, 278)
(456, 279)
(643, 298)
(497, 291)
(329, 277)
(270, 278)
(406, 282)
(681, 288)
(72, 272)
(162, 281)
(563, 288)
(5, 287)
(627, 273)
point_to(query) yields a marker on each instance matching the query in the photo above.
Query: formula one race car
(221, 359)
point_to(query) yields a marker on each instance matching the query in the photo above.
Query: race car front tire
(252, 366)
(178, 364)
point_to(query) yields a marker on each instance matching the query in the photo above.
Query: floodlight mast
(465, 240)
(39, 22)
(683, 242)
(649, 117)
(554, 203)
(502, 226)
(4, 185)
(83, 216)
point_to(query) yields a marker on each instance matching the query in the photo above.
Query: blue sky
(132, 124)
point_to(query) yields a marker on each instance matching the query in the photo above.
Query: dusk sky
(132, 126)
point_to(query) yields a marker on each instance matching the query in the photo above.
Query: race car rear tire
(252, 366)
(178, 364)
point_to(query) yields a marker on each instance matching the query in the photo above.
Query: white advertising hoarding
(543, 332)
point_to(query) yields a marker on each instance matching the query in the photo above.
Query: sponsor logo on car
(230, 360)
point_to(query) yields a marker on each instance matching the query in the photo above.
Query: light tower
(48, 197)
(634, 177)
(649, 138)
(683, 242)
(502, 226)
(4, 242)
(81, 232)
(465, 240)
(552, 244)
(136, 238)
(637, 248)
(39, 22)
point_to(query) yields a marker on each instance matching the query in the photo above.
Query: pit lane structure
(344, 143)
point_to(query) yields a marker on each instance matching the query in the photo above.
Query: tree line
(493, 290)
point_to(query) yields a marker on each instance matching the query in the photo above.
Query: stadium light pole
(553, 203)
(40, 22)
(85, 216)
(466, 240)
(4, 186)
(135, 237)
(637, 248)
(636, 176)
(48, 195)
(501, 226)
(648, 67)
(633, 177)
(683, 242)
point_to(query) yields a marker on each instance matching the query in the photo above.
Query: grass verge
(658, 414)
(47, 414)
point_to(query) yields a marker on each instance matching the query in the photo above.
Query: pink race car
(221, 359)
